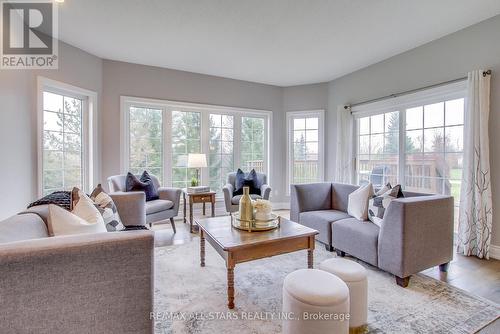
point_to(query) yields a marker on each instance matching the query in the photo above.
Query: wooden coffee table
(236, 246)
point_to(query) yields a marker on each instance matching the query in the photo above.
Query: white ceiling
(276, 42)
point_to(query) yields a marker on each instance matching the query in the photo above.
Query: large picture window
(146, 141)
(66, 137)
(186, 138)
(159, 135)
(252, 143)
(62, 142)
(221, 158)
(418, 143)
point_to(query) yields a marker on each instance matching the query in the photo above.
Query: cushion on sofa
(321, 221)
(158, 205)
(236, 199)
(23, 226)
(64, 222)
(358, 202)
(357, 238)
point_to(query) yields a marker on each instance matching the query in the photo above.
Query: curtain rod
(485, 73)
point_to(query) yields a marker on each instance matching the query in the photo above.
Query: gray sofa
(92, 283)
(232, 202)
(416, 233)
(133, 207)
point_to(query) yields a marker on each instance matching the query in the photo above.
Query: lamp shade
(196, 160)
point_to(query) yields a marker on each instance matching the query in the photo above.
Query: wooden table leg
(184, 200)
(213, 205)
(204, 208)
(310, 253)
(202, 248)
(230, 286)
(191, 215)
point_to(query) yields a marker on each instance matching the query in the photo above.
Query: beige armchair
(133, 208)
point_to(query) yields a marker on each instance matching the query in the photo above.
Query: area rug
(192, 299)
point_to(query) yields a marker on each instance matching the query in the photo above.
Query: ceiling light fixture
(59, 1)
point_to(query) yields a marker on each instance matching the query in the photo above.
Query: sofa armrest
(416, 234)
(171, 194)
(228, 190)
(309, 197)
(265, 191)
(99, 283)
(131, 207)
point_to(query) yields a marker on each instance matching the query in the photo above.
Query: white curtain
(345, 158)
(476, 215)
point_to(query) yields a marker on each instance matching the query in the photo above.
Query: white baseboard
(495, 252)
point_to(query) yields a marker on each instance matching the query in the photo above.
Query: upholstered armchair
(132, 205)
(232, 202)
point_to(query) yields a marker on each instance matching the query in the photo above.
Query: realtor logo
(29, 35)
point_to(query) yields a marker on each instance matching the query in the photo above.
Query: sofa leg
(403, 282)
(340, 253)
(444, 267)
(329, 248)
(173, 224)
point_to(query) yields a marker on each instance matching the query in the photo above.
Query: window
(416, 141)
(305, 146)
(67, 133)
(62, 142)
(379, 149)
(146, 141)
(158, 135)
(221, 158)
(186, 138)
(434, 149)
(252, 143)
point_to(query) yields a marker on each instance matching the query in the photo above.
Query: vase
(246, 208)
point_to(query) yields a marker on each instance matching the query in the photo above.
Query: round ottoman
(318, 299)
(355, 276)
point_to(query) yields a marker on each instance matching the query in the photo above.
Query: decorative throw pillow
(246, 180)
(83, 207)
(107, 208)
(84, 217)
(379, 203)
(383, 189)
(357, 205)
(145, 183)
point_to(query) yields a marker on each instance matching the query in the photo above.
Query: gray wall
(158, 83)
(450, 57)
(18, 119)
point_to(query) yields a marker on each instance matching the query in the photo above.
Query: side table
(206, 197)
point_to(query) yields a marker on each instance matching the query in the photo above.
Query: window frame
(400, 104)
(90, 154)
(205, 110)
(290, 116)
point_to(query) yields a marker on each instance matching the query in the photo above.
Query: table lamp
(197, 160)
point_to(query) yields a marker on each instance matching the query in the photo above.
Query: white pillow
(83, 207)
(358, 202)
(63, 222)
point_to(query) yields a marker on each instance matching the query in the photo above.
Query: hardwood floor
(476, 276)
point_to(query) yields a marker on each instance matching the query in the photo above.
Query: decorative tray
(255, 225)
